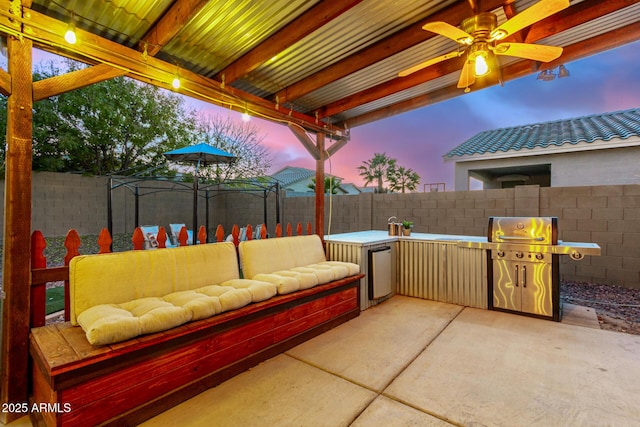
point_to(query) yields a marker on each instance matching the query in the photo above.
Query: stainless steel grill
(523, 267)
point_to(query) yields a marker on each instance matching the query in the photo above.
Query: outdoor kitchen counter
(438, 267)
(378, 236)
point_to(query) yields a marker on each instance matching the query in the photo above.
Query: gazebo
(322, 68)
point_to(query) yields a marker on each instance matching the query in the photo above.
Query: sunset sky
(418, 139)
(606, 82)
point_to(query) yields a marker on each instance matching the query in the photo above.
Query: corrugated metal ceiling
(222, 31)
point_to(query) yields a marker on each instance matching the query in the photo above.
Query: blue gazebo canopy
(201, 154)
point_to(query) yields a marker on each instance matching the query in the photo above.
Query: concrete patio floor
(412, 362)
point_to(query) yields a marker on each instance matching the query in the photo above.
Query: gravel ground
(618, 308)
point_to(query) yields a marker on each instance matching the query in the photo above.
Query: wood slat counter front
(126, 383)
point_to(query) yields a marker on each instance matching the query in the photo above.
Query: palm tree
(332, 183)
(401, 179)
(376, 170)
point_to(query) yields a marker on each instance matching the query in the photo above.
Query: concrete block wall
(608, 215)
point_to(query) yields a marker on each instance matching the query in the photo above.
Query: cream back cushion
(124, 276)
(283, 253)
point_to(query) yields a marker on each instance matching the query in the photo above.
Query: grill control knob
(519, 254)
(500, 253)
(539, 257)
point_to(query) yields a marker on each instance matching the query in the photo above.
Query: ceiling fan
(480, 39)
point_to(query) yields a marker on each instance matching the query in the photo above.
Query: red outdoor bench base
(126, 383)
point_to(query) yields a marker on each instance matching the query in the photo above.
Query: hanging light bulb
(176, 82)
(245, 116)
(482, 67)
(479, 53)
(70, 35)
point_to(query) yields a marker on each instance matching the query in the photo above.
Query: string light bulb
(245, 116)
(70, 35)
(176, 79)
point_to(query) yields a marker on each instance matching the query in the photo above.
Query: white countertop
(378, 236)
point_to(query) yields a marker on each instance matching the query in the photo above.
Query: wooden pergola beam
(43, 89)
(314, 18)
(5, 83)
(16, 274)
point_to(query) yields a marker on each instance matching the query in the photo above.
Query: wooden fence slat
(183, 236)
(219, 233)
(235, 232)
(202, 235)
(299, 229)
(263, 231)
(137, 239)
(104, 241)
(289, 230)
(161, 238)
(278, 230)
(249, 232)
(38, 291)
(309, 229)
(72, 243)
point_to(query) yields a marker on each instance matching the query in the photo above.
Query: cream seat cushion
(200, 305)
(260, 291)
(284, 284)
(110, 323)
(323, 275)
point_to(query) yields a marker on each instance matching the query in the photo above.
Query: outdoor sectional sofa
(150, 329)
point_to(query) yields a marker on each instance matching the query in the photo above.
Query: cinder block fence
(607, 215)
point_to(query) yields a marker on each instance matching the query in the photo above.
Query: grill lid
(523, 230)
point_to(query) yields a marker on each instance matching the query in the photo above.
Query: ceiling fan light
(481, 66)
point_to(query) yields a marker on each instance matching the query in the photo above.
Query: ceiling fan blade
(449, 31)
(428, 63)
(467, 76)
(531, 15)
(535, 52)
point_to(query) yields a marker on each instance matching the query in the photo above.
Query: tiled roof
(603, 127)
(290, 175)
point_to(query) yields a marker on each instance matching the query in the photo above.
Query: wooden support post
(322, 154)
(17, 229)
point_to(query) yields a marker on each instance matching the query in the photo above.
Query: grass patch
(55, 300)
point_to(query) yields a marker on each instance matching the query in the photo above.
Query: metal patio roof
(326, 65)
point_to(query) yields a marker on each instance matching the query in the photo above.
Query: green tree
(376, 169)
(329, 183)
(402, 179)
(108, 127)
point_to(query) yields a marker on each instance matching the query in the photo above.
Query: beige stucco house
(601, 149)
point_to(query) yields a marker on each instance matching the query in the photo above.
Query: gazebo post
(14, 385)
